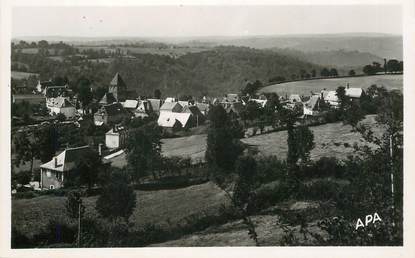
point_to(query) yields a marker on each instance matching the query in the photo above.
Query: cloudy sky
(179, 21)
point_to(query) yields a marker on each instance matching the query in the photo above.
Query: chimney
(114, 128)
(100, 149)
(56, 162)
(347, 86)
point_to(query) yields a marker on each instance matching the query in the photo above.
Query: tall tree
(143, 151)
(324, 72)
(84, 93)
(48, 142)
(117, 199)
(26, 150)
(222, 142)
(157, 94)
(89, 167)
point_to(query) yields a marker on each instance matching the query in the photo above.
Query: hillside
(382, 45)
(305, 87)
(343, 59)
(213, 72)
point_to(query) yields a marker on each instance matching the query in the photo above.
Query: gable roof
(261, 102)
(236, 107)
(60, 102)
(155, 104)
(354, 92)
(67, 159)
(231, 97)
(108, 98)
(118, 81)
(194, 110)
(168, 119)
(313, 101)
(294, 98)
(331, 96)
(130, 103)
(202, 106)
(112, 109)
(169, 106)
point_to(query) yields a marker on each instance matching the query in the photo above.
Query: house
(61, 105)
(143, 109)
(311, 107)
(130, 104)
(231, 97)
(174, 120)
(294, 98)
(170, 99)
(116, 137)
(184, 103)
(171, 107)
(54, 172)
(203, 107)
(330, 97)
(234, 109)
(196, 117)
(110, 114)
(261, 102)
(42, 85)
(57, 91)
(354, 93)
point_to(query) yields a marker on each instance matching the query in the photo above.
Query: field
(162, 207)
(193, 147)
(22, 75)
(176, 52)
(305, 87)
(331, 140)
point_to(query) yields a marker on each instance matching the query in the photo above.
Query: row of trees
(391, 66)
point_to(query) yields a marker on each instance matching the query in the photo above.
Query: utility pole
(391, 176)
(79, 222)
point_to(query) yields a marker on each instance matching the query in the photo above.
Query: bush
(25, 195)
(319, 190)
(56, 231)
(19, 240)
(271, 169)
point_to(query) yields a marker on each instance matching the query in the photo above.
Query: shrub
(319, 190)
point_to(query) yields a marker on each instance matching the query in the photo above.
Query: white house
(311, 107)
(116, 137)
(294, 98)
(130, 104)
(173, 120)
(354, 92)
(53, 173)
(330, 97)
(61, 105)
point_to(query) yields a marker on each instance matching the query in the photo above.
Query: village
(173, 115)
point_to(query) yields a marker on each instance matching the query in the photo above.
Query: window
(51, 187)
(48, 174)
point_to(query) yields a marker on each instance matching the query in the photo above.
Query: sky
(188, 21)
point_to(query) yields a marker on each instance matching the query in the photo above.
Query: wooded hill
(213, 72)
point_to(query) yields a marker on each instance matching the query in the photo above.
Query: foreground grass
(162, 207)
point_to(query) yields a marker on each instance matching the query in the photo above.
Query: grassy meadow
(161, 207)
(305, 87)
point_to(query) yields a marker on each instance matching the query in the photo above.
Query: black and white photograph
(206, 126)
